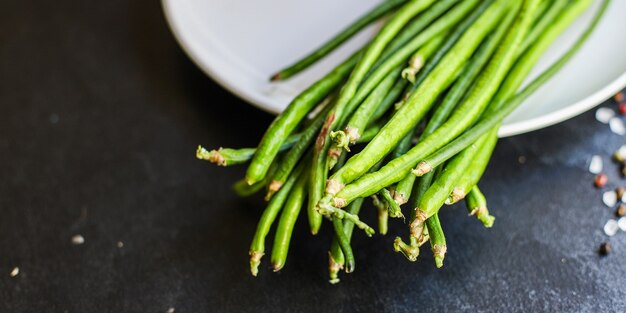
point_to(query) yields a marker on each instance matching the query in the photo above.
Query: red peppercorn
(622, 108)
(601, 180)
(619, 97)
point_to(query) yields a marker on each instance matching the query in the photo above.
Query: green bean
(383, 214)
(415, 27)
(319, 168)
(369, 133)
(548, 17)
(436, 195)
(286, 223)
(437, 239)
(358, 121)
(318, 173)
(344, 244)
(392, 206)
(389, 100)
(289, 119)
(336, 258)
(476, 169)
(411, 250)
(242, 188)
(477, 205)
(450, 41)
(374, 50)
(493, 119)
(508, 89)
(398, 57)
(528, 60)
(371, 16)
(400, 193)
(257, 248)
(228, 156)
(415, 108)
(455, 96)
(294, 155)
(419, 58)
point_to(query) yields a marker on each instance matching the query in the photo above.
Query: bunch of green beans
(453, 69)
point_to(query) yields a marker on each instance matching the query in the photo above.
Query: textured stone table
(100, 114)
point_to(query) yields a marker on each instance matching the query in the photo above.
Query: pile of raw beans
(422, 102)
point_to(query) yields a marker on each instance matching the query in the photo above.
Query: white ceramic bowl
(240, 43)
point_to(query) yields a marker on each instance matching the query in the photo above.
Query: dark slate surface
(100, 113)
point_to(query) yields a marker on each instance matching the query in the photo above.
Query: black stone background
(100, 114)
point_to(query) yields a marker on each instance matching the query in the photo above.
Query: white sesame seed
(15, 271)
(596, 164)
(611, 228)
(609, 198)
(170, 310)
(78, 239)
(604, 115)
(621, 223)
(120, 244)
(521, 159)
(617, 126)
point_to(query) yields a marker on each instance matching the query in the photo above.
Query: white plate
(240, 43)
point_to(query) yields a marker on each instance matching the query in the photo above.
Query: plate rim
(508, 130)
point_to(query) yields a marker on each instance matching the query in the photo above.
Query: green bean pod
(376, 13)
(400, 56)
(499, 109)
(411, 250)
(477, 206)
(391, 98)
(437, 239)
(415, 27)
(528, 59)
(358, 121)
(493, 119)
(450, 41)
(286, 223)
(392, 206)
(336, 258)
(383, 214)
(228, 156)
(319, 168)
(344, 244)
(416, 107)
(504, 104)
(257, 248)
(288, 120)
(543, 21)
(369, 133)
(294, 155)
(476, 169)
(419, 58)
(436, 195)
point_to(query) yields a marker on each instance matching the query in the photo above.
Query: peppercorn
(619, 97)
(605, 248)
(601, 180)
(619, 191)
(621, 210)
(622, 108)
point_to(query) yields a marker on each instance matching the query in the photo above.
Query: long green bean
(286, 223)
(371, 16)
(288, 120)
(477, 206)
(415, 107)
